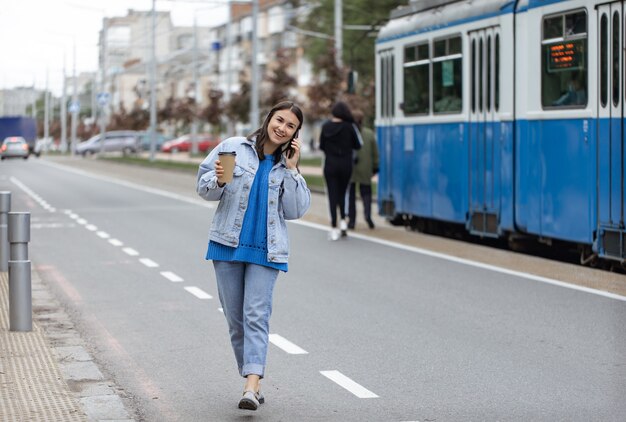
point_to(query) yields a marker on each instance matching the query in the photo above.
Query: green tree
(213, 112)
(358, 45)
(327, 86)
(281, 82)
(238, 108)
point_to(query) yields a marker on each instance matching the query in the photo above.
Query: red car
(183, 143)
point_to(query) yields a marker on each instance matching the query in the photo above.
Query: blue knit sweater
(253, 238)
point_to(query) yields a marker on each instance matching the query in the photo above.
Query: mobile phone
(289, 151)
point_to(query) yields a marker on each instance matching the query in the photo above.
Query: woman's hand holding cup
(224, 166)
(219, 172)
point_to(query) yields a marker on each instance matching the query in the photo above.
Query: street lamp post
(152, 131)
(254, 86)
(196, 91)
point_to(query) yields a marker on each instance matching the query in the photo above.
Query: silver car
(124, 141)
(14, 146)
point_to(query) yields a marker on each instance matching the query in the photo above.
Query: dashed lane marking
(130, 251)
(116, 242)
(91, 227)
(345, 382)
(171, 276)
(103, 235)
(148, 262)
(197, 292)
(282, 343)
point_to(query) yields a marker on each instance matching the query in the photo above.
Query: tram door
(386, 104)
(610, 150)
(484, 145)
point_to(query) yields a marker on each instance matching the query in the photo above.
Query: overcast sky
(36, 35)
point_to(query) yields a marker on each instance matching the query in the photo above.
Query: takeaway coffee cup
(227, 159)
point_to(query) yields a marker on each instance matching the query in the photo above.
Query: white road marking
(130, 251)
(197, 292)
(345, 382)
(282, 343)
(148, 262)
(81, 221)
(30, 193)
(221, 310)
(115, 242)
(103, 235)
(74, 216)
(171, 276)
(91, 227)
(51, 225)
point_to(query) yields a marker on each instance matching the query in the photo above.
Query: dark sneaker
(370, 223)
(250, 400)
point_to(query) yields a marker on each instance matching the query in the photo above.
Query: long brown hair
(261, 133)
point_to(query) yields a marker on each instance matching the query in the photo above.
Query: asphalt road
(410, 336)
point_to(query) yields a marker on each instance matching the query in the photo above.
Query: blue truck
(26, 127)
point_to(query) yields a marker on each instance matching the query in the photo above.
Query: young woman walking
(339, 139)
(248, 240)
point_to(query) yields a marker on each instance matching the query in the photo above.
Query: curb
(48, 373)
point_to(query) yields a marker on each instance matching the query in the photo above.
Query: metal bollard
(5, 207)
(20, 295)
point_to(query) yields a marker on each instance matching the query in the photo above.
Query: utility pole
(46, 106)
(254, 88)
(64, 110)
(229, 26)
(153, 122)
(75, 108)
(103, 104)
(338, 32)
(194, 123)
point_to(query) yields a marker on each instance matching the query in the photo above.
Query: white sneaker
(344, 228)
(334, 234)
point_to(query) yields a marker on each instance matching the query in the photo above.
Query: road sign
(102, 98)
(74, 106)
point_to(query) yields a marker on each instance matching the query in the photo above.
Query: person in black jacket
(339, 139)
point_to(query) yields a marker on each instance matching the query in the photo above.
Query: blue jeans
(245, 291)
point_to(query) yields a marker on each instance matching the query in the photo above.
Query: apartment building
(220, 60)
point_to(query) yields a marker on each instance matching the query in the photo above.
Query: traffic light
(353, 77)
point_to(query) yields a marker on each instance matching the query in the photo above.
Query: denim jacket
(288, 197)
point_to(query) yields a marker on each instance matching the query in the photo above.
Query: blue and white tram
(506, 117)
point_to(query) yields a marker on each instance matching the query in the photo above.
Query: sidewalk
(46, 374)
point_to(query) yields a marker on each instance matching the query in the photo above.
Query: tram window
(480, 75)
(488, 106)
(497, 71)
(392, 88)
(416, 80)
(616, 47)
(473, 77)
(564, 60)
(604, 60)
(553, 27)
(447, 76)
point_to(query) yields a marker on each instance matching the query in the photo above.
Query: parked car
(14, 146)
(144, 140)
(124, 141)
(183, 143)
